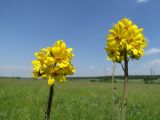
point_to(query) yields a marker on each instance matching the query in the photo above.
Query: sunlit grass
(76, 100)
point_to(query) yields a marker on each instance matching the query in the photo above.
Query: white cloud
(152, 63)
(142, 1)
(153, 51)
(144, 68)
(14, 67)
(15, 70)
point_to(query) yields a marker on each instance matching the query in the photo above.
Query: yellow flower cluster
(53, 63)
(125, 38)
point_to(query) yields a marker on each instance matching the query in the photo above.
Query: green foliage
(76, 100)
(150, 79)
(131, 77)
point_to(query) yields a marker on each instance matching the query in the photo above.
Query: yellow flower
(35, 74)
(61, 78)
(53, 63)
(125, 37)
(135, 52)
(50, 81)
(56, 51)
(36, 64)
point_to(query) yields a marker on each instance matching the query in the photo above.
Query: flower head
(53, 63)
(125, 37)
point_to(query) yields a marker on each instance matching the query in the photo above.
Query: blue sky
(28, 25)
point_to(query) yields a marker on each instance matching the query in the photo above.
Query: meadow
(26, 99)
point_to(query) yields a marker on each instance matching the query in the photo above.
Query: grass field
(22, 99)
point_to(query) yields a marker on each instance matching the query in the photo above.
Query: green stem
(125, 88)
(113, 93)
(51, 93)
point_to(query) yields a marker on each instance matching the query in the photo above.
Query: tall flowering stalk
(125, 41)
(113, 92)
(53, 63)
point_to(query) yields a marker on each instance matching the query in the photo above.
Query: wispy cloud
(144, 68)
(14, 67)
(142, 1)
(15, 70)
(152, 63)
(153, 51)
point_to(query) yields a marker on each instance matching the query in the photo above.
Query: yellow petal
(50, 81)
(135, 52)
(61, 78)
(108, 59)
(69, 50)
(129, 47)
(56, 50)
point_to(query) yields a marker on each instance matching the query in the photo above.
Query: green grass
(76, 100)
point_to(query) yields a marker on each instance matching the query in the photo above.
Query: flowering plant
(53, 63)
(125, 41)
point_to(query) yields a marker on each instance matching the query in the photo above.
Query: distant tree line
(108, 78)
